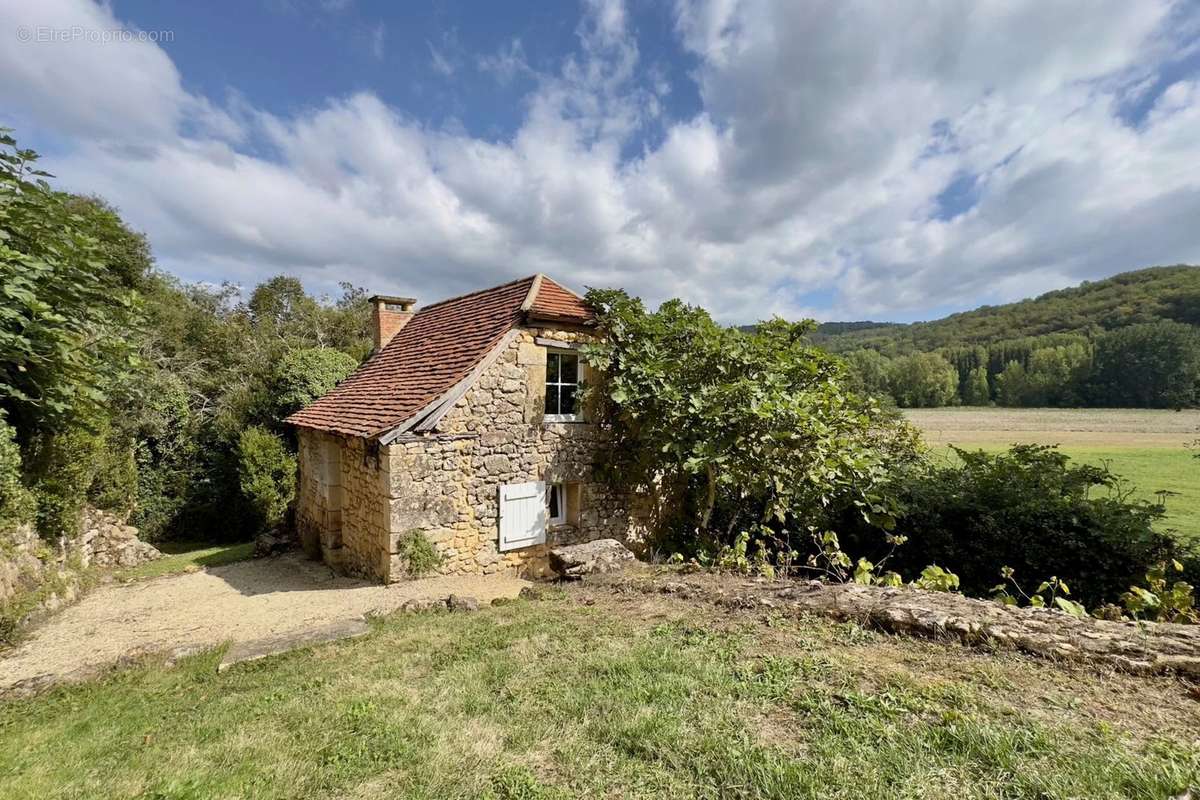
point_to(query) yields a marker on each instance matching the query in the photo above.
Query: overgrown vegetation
(738, 431)
(1132, 340)
(765, 461)
(127, 389)
(419, 555)
(1028, 509)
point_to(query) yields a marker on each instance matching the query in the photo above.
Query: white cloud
(377, 40)
(826, 135)
(506, 63)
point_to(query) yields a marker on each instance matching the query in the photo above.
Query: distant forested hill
(1129, 340)
(1145, 295)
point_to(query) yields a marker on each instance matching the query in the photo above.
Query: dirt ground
(250, 603)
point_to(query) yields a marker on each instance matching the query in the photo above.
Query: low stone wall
(39, 576)
(1143, 648)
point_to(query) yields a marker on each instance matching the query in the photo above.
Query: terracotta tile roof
(555, 302)
(438, 347)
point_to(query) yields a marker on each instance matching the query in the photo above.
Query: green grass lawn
(606, 696)
(183, 556)
(1148, 471)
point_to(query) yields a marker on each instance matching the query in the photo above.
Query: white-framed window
(556, 503)
(562, 387)
(563, 501)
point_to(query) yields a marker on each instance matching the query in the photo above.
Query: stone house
(465, 426)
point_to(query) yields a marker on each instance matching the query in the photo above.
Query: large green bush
(267, 475)
(1030, 509)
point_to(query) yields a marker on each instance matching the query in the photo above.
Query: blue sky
(436, 62)
(843, 160)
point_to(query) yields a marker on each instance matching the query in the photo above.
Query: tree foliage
(923, 380)
(129, 389)
(977, 391)
(304, 375)
(68, 299)
(1155, 365)
(742, 431)
(1062, 349)
(1146, 295)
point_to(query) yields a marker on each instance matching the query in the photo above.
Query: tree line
(126, 388)
(1148, 364)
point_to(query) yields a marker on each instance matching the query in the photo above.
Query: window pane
(552, 399)
(552, 367)
(569, 365)
(567, 402)
(555, 504)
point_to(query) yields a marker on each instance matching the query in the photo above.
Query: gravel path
(256, 601)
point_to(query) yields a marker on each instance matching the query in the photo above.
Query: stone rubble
(1136, 647)
(453, 602)
(106, 541)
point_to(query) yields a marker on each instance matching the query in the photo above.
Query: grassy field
(185, 556)
(1149, 448)
(592, 694)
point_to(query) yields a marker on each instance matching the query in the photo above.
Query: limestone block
(530, 354)
(497, 464)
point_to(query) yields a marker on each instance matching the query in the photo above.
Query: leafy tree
(977, 392)
(1153, 365)
(923, 380)
(869, 373)
(1012, 385)
(66, 312)
(304, 375)
(739, 430)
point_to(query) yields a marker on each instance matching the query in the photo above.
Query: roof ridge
(476, 292)
(534, 288)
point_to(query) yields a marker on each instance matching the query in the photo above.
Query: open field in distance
(1125, 427)
(1147, 447)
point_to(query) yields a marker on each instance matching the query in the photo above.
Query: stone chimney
(389, 315)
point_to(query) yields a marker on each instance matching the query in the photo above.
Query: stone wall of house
(312, 493)
(446, 484)
(342, 503)
(365, 509)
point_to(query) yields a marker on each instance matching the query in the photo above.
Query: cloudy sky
(844, 160)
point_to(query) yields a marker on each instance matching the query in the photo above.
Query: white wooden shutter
(522, 515)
